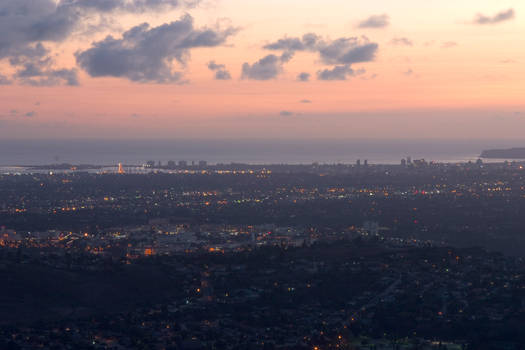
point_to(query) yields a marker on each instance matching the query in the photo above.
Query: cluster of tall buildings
(181, 164)
(406, 161)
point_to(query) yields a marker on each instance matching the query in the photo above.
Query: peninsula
(510, 153)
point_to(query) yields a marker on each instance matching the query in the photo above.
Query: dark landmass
(461, 205)
(350, 294)
(33, 292)
(364, 257)
(511, 153)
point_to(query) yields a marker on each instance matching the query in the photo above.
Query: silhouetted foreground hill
(274, 297)
(32, 292)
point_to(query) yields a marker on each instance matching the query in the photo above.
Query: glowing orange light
(148, 252)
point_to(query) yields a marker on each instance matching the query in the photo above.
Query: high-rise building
(183, 163)
(120, 168)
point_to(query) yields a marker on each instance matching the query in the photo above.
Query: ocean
(137, 152)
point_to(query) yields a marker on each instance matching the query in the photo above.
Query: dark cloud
(36, 53)
(340, 51)
(145, 54)
(39, 72)
(336, 73)
(409, 72)
(223, 75)
(303, 76)
(348, 51)
(308, 42)
(377, 21)
(287, 56)
(220, 71)
(305, 101)
(214, 66)
(497, 18)
(30, 114)
(26, 24)
(294, 44)
(133, 6)
(286, 113)
(4, 80)
(268, 67)
(402, 42)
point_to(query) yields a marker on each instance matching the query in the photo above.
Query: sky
(406, 69)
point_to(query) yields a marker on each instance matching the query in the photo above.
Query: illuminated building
(149, 252)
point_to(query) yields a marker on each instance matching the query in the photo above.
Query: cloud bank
(132, 6)
(376, 21)
(268, 67)
(220, 71)
(341, 72)
(341, 53)
(146, 54)
(28, 26)
(4, 80)
(497, 18)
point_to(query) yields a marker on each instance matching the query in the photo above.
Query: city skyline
(234, 69)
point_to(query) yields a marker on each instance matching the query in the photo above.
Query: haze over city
(244, 69)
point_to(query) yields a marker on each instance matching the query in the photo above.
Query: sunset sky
(262, 69)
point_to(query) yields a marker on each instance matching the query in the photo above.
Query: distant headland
(510, 153)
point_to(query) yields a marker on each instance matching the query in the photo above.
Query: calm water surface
(136, 152)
